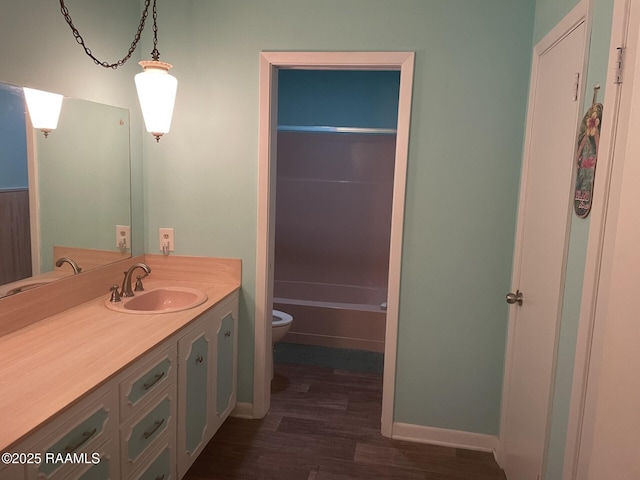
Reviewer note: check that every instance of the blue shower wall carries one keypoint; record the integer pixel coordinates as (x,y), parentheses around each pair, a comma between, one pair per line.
(13,139)
(345,98)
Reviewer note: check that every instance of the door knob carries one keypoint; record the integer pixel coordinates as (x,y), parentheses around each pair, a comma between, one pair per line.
(514,297)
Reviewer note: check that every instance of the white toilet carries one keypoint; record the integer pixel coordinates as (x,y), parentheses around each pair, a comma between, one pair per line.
(280,324)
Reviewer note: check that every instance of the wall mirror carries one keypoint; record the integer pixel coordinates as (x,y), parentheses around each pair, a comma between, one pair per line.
(64,196)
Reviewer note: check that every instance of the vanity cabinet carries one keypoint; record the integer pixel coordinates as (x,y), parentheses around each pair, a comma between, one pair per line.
(206,379)
(152,419)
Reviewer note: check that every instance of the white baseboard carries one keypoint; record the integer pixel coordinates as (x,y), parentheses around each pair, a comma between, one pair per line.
(498,458)
(243,410)
(444,437)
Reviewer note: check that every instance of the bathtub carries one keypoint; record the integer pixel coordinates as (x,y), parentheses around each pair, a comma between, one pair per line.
(342,316)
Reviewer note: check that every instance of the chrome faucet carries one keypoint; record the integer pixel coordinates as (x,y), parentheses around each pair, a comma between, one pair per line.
(126,291)
(70,261)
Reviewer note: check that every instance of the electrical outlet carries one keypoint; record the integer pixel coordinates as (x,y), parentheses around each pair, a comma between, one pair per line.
(166,236)
(123,237)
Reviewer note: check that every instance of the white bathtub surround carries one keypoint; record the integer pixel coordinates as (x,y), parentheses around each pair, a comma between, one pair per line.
(340,316)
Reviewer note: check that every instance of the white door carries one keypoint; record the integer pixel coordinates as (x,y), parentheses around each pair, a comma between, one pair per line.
(544,215)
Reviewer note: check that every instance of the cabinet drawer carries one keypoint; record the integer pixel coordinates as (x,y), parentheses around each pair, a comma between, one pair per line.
(151,376)
(14,472)
(147,430)
(106,468)
(99,471)
(161,466)
(77,433)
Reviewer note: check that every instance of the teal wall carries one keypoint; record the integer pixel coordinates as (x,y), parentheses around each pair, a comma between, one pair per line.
(83,179)
(40,52)
(548,14)
(468,112)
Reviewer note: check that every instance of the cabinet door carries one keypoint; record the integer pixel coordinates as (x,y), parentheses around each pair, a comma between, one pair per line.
(207,365)
(195,390)
(226,364)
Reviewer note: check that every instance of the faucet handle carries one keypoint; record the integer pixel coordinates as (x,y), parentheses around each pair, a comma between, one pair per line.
(115,296)
(139,287)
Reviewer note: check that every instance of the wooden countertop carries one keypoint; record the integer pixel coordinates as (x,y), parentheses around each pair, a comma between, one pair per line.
(48,366)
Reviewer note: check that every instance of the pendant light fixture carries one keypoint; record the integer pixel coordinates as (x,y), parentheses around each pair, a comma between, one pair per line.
(157,94)
(155,86)
(44,109)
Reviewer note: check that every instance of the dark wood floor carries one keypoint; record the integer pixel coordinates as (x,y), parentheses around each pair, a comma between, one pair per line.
(325,424)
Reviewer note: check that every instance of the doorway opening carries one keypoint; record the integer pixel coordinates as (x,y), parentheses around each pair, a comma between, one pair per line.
(270,64)
(335,160)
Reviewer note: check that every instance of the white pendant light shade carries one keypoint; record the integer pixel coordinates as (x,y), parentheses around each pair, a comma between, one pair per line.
(157,94)
(44,109)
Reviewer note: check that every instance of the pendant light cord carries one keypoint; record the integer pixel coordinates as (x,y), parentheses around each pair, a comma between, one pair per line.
(155,54)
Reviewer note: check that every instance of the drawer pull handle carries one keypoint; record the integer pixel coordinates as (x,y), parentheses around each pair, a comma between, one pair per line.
(227,333)
(199,359)
(155,427)
(155,380)
(85,437)
(160,477)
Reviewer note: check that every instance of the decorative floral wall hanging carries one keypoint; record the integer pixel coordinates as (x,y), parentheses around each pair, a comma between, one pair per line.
(586,157)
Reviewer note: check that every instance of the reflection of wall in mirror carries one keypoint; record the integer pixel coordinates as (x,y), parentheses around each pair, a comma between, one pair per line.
(87,192)
(15,240)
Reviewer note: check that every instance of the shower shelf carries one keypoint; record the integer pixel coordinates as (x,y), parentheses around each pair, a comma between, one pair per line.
(326,129)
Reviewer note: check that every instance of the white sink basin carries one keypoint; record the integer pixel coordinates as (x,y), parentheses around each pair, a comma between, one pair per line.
(160,300)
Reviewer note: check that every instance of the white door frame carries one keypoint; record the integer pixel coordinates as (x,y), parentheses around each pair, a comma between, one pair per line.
(593,308)
(577,16)
(269,63)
